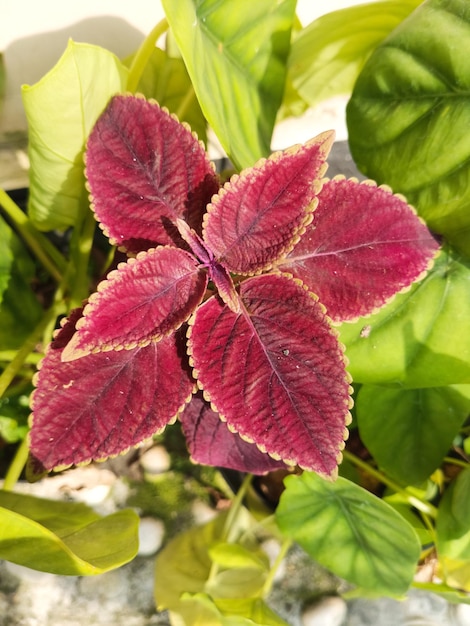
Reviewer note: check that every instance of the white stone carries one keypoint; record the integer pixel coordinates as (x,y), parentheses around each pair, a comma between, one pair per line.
(156,460)
(272,547)
(330,611)
(462,614)
(202,512)
(151,532)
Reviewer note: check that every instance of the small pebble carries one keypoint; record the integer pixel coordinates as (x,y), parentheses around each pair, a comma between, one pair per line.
(202,512)
(272,547)
(330,611)
(156,460)
(151,533)
(462,614)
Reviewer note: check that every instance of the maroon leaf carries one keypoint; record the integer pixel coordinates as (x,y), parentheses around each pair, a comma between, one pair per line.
(145,170)
(275,371)
(143,300)
(258,216)
(103,404)
(211,443)
(364,245)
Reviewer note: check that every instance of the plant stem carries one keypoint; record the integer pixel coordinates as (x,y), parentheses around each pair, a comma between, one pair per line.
(143,55)
(185,102)
(413,500)
(80,248)
(49,257)
(28,346)
(458,462)
(268,583)
(16,466)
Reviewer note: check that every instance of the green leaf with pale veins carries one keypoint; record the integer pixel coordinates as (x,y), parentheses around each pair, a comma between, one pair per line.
(236,53)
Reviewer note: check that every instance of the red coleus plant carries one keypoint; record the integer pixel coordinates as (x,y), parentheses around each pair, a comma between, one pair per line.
(234,269)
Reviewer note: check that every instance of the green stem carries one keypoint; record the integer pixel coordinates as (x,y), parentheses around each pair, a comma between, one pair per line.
(9,355)
(16,466)
(458,462)
(268,583)
(49,257)
(80,249)
(413,500)
(28,346)
(143,55)
(185,102)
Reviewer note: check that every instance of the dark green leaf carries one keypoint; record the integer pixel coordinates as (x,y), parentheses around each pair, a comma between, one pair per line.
(236,53)
(408,111)
(421,338)
(409,431)
(350,531)
(64,537)
(6,256)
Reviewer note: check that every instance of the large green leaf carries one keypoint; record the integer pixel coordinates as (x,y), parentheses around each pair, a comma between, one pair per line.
(409,431)
(61,110)
(329,53)
(453,533)
(350,531)
(64,538)
(421,338)
(235,52)
(166,80)
(409,111)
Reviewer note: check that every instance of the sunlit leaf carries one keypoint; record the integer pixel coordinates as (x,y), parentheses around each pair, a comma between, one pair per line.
(236,54)
(329,53)
(145,170)
(258,216)
(201,610)
(211,443)
(102,404)
(407,112)
(275,371)
(421,338)
(350,531)
(364,245)
(143,300)
(61,109)
(419,423)
(65,538)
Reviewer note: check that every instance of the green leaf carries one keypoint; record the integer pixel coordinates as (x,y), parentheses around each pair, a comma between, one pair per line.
(14,413)
(407,112)
(350,531)
(64,538)
(20,310)
(201,610)
(231,555)
(184,565)
(6,256)
(166,80)
(329,53)
(61,110)
(236,53)
(409,431)
(453,533)
(421,338)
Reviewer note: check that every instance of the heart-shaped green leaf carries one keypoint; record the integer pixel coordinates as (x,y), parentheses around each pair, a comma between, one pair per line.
(408,111)
(61,109)
(420,339)
(236,54)
(350,531)
(412,422)
(64,538)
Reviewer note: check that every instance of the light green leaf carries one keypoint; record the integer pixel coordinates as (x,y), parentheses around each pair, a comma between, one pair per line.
(61,110)
(350,531)
(409,431)
(166,80)
(329,53)
(453,533)
(6,256)
(201,610)
(64,537)
(231,555)
(408,111)
(421,338)
(185,563)
(236,52)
